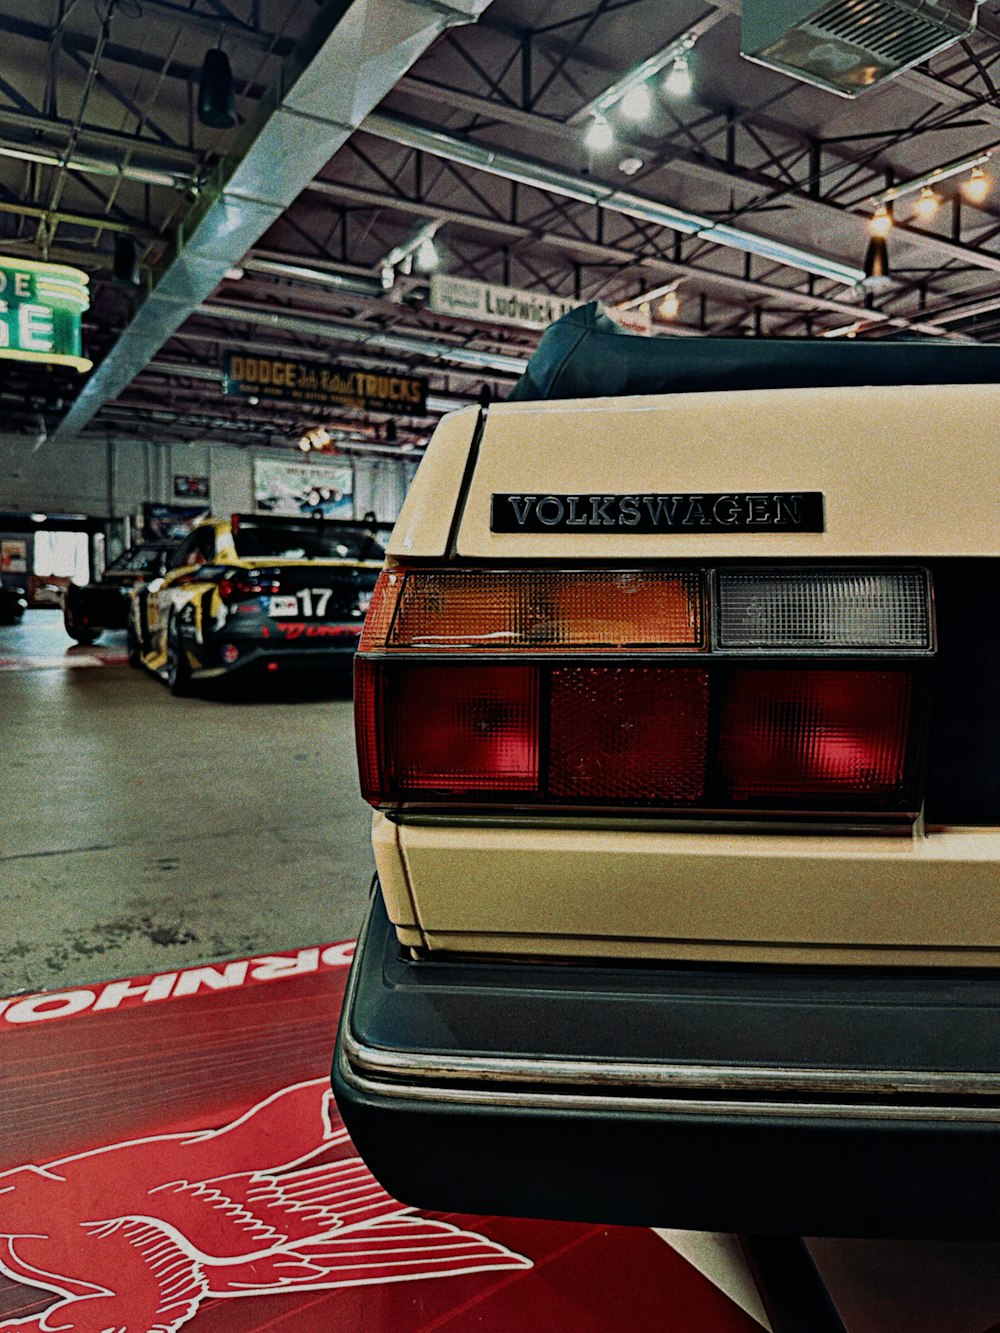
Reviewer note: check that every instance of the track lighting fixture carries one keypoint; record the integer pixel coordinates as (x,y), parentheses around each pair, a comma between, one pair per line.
(637,104)
(600,135)
(880,223)
(927,204)
(977,187)
(678,82)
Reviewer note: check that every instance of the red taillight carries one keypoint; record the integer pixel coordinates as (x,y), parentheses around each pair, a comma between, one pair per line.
(605,688)
(474,729)
(815,734)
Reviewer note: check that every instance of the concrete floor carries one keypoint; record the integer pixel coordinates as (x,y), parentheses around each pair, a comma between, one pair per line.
(139,831)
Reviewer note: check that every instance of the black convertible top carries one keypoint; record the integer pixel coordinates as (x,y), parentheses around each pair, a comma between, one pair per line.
(586,355)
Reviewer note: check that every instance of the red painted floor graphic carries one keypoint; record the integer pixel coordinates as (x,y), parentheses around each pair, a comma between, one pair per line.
(171,1157)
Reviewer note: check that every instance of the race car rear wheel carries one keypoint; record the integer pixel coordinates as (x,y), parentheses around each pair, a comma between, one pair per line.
(133,645)
(83,636)
(178,667)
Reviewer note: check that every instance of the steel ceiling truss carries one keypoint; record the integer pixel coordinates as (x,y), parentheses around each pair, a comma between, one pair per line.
(352,56)
(537,220)
(753,161)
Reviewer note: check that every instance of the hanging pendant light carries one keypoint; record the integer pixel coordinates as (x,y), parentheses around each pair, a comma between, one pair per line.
(876,266)
(125,265)
(216,94)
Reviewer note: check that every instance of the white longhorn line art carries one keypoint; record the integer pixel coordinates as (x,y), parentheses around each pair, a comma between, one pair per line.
(133,1236)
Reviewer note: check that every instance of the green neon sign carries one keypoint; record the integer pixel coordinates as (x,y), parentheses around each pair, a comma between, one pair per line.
(41,306)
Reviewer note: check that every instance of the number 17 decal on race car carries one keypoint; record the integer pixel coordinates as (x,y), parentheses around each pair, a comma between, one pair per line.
(305,602)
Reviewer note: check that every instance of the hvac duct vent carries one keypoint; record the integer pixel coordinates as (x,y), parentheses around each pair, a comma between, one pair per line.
(850,45)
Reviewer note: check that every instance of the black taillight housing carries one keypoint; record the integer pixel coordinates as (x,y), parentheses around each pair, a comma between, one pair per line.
(732,691)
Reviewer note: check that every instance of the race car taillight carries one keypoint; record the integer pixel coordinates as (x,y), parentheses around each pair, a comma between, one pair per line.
(237,585)
(616,688)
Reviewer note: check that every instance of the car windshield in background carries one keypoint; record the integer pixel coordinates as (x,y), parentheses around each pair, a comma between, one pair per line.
(306,541)
(138,560)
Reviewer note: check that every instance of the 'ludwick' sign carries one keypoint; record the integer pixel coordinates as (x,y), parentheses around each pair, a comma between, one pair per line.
(248,376)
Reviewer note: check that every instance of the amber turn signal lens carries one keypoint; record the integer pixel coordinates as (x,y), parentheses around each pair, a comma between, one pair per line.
(537,610)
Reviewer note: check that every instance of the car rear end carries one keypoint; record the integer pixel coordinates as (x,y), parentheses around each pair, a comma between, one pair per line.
(679,716)
(292,594)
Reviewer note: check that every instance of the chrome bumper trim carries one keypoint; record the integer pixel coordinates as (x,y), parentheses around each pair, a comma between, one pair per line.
(563,1102)
(662,1077)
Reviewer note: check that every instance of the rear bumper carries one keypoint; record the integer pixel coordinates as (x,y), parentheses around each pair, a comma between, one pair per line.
(806,1102)
(257,651)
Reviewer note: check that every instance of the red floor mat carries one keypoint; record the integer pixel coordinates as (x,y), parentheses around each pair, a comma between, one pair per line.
(171,1157)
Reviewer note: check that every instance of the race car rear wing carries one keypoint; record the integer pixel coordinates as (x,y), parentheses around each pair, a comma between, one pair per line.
(367,524)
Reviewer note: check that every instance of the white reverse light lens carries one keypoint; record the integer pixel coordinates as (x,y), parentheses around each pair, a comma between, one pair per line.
(850,610)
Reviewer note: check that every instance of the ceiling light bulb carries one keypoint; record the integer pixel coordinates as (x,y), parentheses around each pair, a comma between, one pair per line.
(637,103)
(628,166)
(427,256)
(927,203)
(880,223)
(304,444)
(977,187)
(678,82)
(670,306)
(600,135)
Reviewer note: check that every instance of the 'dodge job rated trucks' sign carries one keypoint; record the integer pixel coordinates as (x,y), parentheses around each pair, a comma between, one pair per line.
(41,306)
(249,376)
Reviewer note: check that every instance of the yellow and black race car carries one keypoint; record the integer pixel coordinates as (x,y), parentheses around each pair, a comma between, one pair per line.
(256,592)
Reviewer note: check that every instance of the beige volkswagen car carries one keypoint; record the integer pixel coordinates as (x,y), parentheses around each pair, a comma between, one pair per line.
(679,712)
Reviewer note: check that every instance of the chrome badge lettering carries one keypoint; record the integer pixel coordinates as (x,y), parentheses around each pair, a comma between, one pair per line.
(727,511)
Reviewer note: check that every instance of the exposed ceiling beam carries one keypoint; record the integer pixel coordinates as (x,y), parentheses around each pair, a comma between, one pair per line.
(266,316)
(590,252)
(88,220)
(26,128)
(511,166)
(354,53)
(696,166)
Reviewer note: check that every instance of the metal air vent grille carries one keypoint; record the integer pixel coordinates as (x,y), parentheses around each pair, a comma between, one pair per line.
(891,32)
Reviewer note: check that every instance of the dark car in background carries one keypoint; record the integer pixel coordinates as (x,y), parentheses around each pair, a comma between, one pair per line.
(13,604)
(90,609)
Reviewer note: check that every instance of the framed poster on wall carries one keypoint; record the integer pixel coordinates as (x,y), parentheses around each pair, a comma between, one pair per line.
(194,487)
(282,487)
(165,523)
(13,555)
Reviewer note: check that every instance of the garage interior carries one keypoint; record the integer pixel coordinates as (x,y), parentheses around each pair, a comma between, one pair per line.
(404,191)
